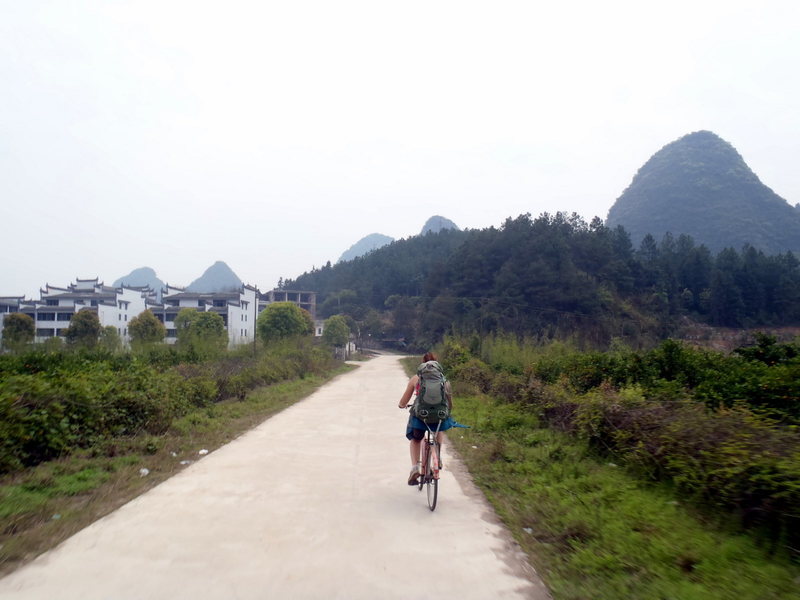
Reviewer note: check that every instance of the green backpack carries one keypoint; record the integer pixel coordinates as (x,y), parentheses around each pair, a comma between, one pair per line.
(431,404)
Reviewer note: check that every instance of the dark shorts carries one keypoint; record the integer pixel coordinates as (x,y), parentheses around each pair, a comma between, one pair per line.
(415,429)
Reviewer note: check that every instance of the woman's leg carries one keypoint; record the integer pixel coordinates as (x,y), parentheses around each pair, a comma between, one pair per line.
(415,447)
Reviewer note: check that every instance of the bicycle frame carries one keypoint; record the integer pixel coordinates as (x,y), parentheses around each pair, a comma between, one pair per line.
(430,451)
(429,444)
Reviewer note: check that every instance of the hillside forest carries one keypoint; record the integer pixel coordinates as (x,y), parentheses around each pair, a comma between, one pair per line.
(552,277)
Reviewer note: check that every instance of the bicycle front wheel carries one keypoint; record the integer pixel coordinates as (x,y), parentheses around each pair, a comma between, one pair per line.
(432,475)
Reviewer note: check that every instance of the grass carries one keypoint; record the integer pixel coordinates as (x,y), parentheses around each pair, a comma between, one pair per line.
(595,531)
(42,506)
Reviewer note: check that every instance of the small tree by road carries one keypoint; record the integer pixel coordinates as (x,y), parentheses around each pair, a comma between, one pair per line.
(337,332)
(283,320)
(18,330)
(84,329)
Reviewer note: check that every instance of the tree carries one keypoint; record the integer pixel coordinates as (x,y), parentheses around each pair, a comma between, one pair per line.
(337,332)
(18,329)
(282,320)
(308,319)
(84,329)
(109,339)
(200,332)
(145,328)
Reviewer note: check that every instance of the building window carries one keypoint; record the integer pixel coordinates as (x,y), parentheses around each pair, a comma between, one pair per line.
(45,332)
(119,317)
(171,333)
(52,303)
(172,316)
(61,332)
(63,316)
(47,316)
(126,317)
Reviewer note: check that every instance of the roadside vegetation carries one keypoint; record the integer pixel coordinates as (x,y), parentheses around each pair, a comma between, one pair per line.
(83,429)
(669,473)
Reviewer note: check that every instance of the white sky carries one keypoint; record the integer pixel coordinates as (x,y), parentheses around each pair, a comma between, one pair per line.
(274,135)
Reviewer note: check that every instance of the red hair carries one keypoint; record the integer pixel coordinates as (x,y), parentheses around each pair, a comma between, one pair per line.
(429,356)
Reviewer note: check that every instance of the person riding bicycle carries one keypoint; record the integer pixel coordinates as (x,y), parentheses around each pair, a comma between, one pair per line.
(415,429)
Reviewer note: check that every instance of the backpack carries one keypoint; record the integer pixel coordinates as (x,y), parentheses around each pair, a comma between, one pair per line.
(431,404)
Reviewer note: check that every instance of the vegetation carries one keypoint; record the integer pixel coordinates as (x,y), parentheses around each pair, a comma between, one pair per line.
(43,504)
(201,333)
(145,328)
(721,429)
(110,339)
(336,332)
(281,320)
(84,329)
(18,330)
(556,277)
(55,403)
(596,530)
(647,474)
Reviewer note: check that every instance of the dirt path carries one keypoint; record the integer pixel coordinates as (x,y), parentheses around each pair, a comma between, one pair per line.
(311,504)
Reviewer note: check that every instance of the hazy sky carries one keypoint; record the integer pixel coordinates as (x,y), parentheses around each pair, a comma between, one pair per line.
(274,135)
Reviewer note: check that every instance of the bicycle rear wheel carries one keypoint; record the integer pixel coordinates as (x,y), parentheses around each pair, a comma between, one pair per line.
(423,463)
(432,474)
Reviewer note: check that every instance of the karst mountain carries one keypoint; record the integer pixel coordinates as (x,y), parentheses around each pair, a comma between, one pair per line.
(700,185)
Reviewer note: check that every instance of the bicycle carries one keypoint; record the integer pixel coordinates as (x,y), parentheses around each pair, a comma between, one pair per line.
(431,465)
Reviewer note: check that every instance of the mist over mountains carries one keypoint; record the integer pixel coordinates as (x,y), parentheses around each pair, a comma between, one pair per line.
(436,224)
(365,245)
(141,277)
(219,277)
(699,185)
(374,241)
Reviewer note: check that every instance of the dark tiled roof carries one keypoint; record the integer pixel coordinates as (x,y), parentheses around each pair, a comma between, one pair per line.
(81,296)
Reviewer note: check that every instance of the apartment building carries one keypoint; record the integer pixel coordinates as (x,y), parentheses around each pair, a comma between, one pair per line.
(237,309)
(305,300)
(117,306)
(51,314)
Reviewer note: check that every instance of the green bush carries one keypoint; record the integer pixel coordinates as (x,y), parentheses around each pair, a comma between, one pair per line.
(723,428)
(54,402)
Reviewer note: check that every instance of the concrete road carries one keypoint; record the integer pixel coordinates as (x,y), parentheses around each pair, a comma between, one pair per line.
(311,504)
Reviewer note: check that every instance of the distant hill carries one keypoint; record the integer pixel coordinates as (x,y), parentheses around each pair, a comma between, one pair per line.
(365,245)
(700,185)
(141,277)
(217,278)
(436,223)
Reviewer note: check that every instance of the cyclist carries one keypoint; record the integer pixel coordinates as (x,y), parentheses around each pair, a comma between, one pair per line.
(415,429)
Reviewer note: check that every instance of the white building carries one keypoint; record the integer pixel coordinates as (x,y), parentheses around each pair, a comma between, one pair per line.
(237,309)
(117,306)
(305,300)
(114,307)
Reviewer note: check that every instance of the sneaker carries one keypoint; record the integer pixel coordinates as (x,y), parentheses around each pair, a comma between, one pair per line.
(413,476)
